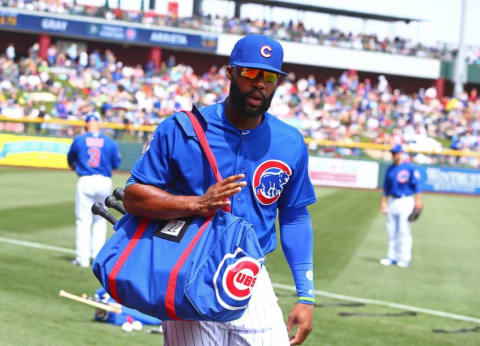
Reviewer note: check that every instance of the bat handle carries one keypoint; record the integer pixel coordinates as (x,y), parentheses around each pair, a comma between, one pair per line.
(99,209)
(112,202)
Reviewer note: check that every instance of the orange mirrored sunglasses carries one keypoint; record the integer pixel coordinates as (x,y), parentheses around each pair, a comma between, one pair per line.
(252,73)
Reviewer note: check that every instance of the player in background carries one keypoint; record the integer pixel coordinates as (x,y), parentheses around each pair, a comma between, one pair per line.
(265,165)
(401,193)
(93,156)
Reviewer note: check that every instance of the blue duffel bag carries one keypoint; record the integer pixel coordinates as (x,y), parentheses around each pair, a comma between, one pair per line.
(196,269)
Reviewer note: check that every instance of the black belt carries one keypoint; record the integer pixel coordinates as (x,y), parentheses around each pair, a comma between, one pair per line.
(400,196)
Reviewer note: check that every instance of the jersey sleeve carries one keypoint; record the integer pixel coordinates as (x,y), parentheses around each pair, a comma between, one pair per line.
(386,184)
(116,156)
(299,190)
(73,153)
(154,166)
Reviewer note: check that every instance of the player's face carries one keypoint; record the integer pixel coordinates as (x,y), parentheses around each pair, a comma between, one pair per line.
(397,158)
(251,90)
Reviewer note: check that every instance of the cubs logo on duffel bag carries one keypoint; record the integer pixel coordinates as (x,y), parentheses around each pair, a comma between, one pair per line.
(235,278)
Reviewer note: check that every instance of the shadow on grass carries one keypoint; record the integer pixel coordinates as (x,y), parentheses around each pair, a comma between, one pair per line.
(371,259)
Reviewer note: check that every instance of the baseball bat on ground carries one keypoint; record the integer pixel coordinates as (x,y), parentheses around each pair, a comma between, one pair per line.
(99,305)
(118,193)
(112,202)
(99,209)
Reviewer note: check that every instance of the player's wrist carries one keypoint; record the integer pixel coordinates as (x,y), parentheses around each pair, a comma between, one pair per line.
(193,205)
(306,300)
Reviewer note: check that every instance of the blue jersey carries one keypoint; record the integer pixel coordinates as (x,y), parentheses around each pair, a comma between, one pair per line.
(94,154)
(273,156)
(401,180)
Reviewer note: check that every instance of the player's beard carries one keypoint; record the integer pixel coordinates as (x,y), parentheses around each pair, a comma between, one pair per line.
(239,101)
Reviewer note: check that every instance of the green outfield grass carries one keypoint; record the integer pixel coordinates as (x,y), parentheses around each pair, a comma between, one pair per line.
(37,206)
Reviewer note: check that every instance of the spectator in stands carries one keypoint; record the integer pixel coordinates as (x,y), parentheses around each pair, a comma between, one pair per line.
(10,51)
(346,107)
(290,31)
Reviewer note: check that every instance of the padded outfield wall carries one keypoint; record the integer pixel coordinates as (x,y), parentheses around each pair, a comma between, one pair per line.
(49,152)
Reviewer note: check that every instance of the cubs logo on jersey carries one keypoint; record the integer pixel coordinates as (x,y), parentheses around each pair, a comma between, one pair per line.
(235,278)
(403,176)
(269,180)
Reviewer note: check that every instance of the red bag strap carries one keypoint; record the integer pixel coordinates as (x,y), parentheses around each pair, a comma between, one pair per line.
(204,144)
(206,148)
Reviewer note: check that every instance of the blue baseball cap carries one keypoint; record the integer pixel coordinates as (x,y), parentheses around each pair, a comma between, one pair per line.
(258,51)
(92,117)
(397,148)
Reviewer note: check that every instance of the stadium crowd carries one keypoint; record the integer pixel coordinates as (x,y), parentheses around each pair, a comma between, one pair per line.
(71,83)
(290,31)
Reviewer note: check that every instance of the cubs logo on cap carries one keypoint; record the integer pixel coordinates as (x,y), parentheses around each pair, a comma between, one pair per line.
(266,51)
(269,179)
(258,51)
(235,278)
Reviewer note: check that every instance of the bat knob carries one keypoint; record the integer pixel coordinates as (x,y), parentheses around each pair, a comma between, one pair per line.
(110,201)
(118,193)
(97,208)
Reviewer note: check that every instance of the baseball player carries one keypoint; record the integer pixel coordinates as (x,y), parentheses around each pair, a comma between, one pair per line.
(264,162)
(92,155)
(401,194)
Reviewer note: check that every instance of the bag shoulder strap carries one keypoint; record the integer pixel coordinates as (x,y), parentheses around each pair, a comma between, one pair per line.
(197,127)
(204,144)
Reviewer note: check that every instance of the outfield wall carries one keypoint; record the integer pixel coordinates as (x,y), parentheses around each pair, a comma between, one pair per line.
(49,152)
(343,173)
(442,179)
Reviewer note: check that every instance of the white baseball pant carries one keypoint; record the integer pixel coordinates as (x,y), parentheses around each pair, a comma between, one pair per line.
(91,230)
(261,324)
(398,228)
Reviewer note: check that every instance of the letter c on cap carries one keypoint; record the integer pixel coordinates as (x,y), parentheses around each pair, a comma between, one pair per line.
(266,51)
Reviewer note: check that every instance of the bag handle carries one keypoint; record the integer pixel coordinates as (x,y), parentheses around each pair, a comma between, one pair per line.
(206,148)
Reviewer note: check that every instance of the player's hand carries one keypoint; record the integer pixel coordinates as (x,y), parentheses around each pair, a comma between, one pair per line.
(302,317)
(218,194)
(384,208)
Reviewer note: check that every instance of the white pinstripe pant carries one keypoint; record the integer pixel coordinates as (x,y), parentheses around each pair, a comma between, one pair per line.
(398,228)
(261,324)
(91,230)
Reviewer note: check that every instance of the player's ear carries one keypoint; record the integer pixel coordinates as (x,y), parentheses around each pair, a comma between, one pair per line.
(229,72)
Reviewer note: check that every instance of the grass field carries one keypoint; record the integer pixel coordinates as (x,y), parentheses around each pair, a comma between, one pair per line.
(36,206)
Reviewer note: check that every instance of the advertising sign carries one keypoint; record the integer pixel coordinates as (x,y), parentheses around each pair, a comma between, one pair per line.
(343,173)
(34,151)
(450,180)
(66,26)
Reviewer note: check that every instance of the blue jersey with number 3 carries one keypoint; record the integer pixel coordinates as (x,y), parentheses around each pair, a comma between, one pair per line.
(273,156)
(94,154)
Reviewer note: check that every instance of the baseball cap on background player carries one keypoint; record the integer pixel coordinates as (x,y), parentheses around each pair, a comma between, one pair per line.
(258,51)
(397,148)
(92,117)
